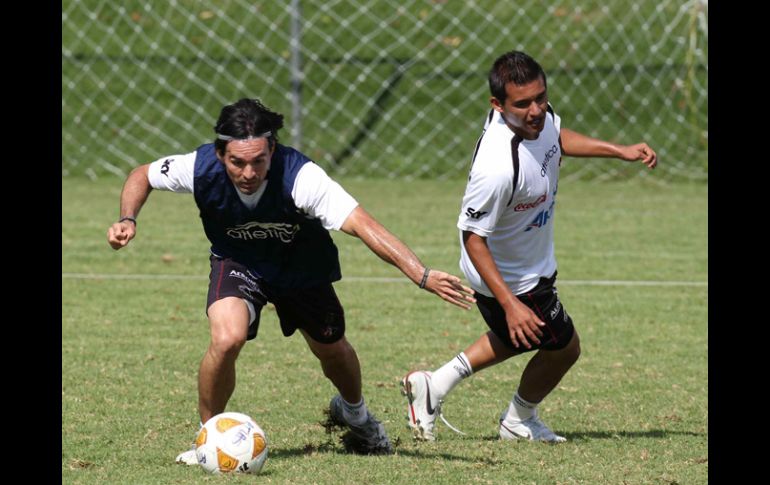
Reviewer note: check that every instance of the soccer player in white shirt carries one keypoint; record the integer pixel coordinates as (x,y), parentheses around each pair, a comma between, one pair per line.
(267,210)
(507,253)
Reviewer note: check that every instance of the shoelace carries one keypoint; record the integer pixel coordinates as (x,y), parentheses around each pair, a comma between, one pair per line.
(441,415)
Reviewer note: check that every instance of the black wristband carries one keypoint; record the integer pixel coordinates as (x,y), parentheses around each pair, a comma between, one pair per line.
(127,218)
(424,277)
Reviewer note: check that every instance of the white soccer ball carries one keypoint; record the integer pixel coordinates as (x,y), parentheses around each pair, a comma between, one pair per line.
(231,442)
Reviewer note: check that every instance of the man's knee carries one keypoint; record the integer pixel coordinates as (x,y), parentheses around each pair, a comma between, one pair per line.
(229,326)
(227,343)
(571,352)
(340,350)
(568,354)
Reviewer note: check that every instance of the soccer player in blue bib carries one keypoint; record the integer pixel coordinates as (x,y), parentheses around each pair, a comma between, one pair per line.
(267,210)
(506,241)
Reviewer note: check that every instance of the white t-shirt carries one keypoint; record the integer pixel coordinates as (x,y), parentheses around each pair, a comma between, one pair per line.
(516,221)
(314,191)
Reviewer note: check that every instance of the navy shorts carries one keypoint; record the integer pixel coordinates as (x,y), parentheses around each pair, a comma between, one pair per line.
(544,301)
(315,310)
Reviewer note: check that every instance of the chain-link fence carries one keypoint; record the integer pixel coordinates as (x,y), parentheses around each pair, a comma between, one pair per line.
(379,88)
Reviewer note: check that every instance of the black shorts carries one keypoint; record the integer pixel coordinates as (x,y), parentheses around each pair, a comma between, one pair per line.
(544,301)
(316,310)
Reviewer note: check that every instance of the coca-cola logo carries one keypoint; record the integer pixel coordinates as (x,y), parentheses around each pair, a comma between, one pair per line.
(525,206)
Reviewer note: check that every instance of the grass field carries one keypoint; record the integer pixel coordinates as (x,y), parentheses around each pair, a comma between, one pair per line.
(634,408)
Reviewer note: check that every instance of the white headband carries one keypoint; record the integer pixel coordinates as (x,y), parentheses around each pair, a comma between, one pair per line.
(266,134)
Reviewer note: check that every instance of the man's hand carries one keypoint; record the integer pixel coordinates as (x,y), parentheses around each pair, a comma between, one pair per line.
(523,326)
(449,288)
(120,233)
(640,151)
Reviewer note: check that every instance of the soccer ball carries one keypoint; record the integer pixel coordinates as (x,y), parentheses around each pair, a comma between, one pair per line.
(231,442)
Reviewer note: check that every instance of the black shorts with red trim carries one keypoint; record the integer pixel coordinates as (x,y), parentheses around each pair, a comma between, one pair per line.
(544,301)
(315,310)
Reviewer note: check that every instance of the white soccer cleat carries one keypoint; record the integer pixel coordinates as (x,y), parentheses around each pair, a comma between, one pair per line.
(188,457)
(532,429)
(423,408)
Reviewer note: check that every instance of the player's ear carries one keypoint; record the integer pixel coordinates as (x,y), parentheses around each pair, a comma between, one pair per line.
(496,104)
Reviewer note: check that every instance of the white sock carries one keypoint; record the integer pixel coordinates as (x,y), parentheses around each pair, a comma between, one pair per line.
(449,375)
(519,409)
(354,413)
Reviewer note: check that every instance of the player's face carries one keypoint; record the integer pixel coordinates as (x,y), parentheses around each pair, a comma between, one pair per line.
(524,108)
(247,163)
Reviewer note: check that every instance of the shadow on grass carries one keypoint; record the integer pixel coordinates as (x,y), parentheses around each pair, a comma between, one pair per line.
(448,456)
(604,435)
(332,447)
(615,435)
(307,449)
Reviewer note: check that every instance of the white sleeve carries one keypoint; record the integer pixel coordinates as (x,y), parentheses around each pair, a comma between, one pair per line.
(174,173)
(321,197)
(556,121)
(486,197)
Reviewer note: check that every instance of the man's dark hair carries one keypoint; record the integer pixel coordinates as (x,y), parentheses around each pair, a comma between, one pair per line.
(513,67)
(247,117)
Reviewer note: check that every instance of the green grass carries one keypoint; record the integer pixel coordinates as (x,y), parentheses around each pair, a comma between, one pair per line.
(634,407)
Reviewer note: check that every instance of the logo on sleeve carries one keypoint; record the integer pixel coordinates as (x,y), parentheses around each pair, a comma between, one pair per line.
(164,168)
(474,214)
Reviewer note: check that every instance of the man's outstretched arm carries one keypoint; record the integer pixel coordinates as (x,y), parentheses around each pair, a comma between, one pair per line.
(391,250)
(578,145)
(134,195)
